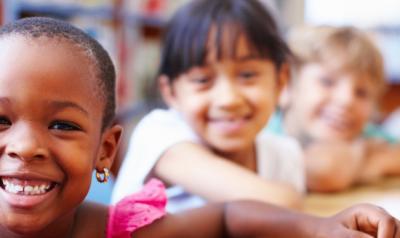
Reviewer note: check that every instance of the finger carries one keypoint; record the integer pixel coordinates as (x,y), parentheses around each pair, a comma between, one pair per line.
(356,234)
(397,233)
(387,227)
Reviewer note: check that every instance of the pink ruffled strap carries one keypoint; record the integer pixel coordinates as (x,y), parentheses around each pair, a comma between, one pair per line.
(137,210)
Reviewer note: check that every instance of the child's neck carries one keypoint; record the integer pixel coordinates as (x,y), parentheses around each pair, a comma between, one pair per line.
(246,158)
(91,221)
(291,127)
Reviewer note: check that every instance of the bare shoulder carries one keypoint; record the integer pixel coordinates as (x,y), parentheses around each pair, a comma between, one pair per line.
(91,220)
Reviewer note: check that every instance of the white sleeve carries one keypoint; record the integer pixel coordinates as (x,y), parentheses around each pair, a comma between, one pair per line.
(154,134)
(281,158)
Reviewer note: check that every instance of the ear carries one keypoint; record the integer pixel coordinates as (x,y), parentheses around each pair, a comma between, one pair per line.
(166,90)
(283,76)
(283,86)
(109,147)
(284,98)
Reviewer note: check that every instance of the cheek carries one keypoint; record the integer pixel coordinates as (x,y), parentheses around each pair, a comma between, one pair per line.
(263,103)
(78,158)
(364,111)
(307,104)
(266,103)
(192,104)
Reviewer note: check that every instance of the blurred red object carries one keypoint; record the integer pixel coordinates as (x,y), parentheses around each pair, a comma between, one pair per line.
(154,7)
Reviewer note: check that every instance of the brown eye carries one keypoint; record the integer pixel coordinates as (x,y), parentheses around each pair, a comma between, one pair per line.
(247,74)
(361,93)
(4,123)
(64,126)
(201,80)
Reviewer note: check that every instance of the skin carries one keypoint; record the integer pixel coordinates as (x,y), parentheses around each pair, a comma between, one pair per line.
(227,102)
(361,221)
(366,161)
(339,106)
(329,122)
(50,132)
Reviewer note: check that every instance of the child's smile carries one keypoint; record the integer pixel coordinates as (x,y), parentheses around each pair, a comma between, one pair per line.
(228,106)
(228,101)
(331,104)
(27,190)
(50,131)
(336,120)
(230,125)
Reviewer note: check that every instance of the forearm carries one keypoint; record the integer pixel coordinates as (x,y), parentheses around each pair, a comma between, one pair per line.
(389,158)
(232,220)
(327,181)
(201,222)
(202,173)
(246,219)
(332,167)
(382,159)
(255,219)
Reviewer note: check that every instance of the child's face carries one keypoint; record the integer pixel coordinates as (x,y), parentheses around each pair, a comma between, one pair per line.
(227,102)
(330,104)
(50,132)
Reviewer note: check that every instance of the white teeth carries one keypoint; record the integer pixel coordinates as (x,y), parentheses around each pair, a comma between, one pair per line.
(28,189)
(25,190)
(18,188)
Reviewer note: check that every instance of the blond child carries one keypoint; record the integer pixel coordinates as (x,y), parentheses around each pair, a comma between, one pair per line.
(57,102)
(338,78)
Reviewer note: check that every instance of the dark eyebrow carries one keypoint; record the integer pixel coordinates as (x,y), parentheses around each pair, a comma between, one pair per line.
(247,58)
(58,105)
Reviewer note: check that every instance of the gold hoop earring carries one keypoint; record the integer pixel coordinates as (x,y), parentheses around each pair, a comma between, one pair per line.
(102,176)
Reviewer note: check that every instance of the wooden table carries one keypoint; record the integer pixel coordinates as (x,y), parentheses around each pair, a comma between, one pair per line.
(385,193)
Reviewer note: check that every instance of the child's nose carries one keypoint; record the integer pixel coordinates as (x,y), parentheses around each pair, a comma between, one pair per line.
(25,143)
(345,96)
(227,94)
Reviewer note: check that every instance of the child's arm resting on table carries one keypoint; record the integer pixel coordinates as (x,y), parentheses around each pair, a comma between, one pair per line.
(216,179)
(382,159)
(256,219)
(336,166)
(332,166)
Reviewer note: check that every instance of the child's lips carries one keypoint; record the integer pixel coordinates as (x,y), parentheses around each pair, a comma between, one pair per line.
(26,192)
(337,122)
(229,125)
(26,186)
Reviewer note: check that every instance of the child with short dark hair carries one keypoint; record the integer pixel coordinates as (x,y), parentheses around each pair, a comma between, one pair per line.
(57,105)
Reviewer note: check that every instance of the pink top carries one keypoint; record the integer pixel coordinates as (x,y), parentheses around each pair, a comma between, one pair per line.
(137,210)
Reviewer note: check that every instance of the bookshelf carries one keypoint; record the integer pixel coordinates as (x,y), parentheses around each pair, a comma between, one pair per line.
(64,10)
(126,28)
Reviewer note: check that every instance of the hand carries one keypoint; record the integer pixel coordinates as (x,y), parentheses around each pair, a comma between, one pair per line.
(333,166)
(382,160)
(360,221)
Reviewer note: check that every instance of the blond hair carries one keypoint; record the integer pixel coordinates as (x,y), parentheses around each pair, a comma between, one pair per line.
(346,48)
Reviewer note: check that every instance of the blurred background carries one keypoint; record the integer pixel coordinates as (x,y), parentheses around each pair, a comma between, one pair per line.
(131,31)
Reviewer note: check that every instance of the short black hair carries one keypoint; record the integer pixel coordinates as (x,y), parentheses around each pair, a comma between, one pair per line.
(187,35)
(35,27)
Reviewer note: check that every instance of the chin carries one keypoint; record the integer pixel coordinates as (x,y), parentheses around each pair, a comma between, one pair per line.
(25,226)
(229,147)
(335,136)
